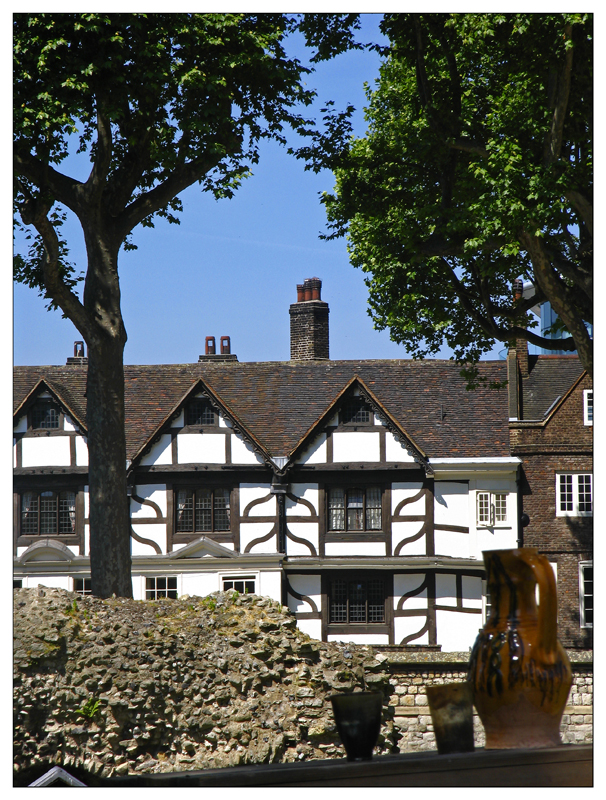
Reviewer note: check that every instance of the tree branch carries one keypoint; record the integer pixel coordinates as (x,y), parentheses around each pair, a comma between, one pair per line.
(553,140)
(159,196)
(553,287)
(583,207)
(65,190)
(96,180)
(35,212)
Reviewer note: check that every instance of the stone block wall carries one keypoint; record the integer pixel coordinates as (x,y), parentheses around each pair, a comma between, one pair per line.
(412,719)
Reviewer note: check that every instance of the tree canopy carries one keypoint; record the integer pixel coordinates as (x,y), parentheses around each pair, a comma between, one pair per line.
(158,102)
(476,170)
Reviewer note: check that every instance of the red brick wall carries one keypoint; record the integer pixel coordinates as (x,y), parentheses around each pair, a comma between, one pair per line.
(563,444)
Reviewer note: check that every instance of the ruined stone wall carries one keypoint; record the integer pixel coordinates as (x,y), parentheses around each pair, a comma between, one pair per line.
(122,686)
(412,719)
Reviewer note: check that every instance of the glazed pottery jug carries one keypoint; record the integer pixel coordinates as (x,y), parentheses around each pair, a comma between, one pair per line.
(520,672)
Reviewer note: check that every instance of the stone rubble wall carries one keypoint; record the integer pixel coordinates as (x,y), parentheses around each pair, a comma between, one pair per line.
(121,686)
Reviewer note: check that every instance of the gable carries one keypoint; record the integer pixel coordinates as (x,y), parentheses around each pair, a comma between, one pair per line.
(356,428)
(200,429)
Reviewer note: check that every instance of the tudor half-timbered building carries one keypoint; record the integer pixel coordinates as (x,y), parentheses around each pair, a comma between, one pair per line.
(359,493)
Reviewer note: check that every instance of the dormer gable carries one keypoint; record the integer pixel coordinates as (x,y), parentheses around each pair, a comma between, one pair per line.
(45,409)
(357,410)
(201,411)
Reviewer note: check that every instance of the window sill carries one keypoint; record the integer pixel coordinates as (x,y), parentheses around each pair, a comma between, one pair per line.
(359,536)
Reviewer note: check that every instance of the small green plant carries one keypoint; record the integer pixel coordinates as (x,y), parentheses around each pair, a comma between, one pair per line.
(209,602)
(89,709)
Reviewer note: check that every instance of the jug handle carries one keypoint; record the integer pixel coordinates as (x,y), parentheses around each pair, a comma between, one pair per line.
(548,609)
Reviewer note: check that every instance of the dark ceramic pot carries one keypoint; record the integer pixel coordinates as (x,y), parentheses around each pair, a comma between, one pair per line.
(520,672)
(358,719)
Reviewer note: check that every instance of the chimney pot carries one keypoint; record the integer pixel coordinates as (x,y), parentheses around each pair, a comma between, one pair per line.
(300,293)
(78,349)
(225,345)
(518,289)
(210,346)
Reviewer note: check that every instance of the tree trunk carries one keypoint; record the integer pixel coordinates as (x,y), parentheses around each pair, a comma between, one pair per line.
(109,513)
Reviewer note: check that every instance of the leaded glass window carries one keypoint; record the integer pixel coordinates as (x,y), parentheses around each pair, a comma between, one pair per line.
(48,513)
(357,601)
(354,509)
(202,509)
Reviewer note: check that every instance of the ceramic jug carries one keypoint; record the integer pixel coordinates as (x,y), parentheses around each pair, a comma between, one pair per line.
(520,672)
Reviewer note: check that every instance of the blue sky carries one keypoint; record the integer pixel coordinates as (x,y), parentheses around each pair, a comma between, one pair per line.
(231,267)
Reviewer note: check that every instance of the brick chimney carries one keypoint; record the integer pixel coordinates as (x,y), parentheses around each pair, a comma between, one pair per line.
(79,356)
(309,323)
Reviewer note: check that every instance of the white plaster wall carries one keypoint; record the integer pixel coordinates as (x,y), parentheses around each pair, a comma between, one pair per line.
(303,530)
(179,422)
(255,491)
(394,451)
(201,448)
(446,590)
(454,543)
(223,423)
(156,533)
(200,584)
(315,453)
(309,585)
(451,503)
(156,492)
(360,638)
(306,491)
(81,452)
(242,452)
(45,451)
(86,540)
(405,626)
(252,530)
(21,426)
(472,592)
(160,453)
(68,425)
(356,446)
(457,631)
(312,627)
(50,581)
(402,491)
(355,548)
(406,582)
(270,584)
(495,539)
(402,530)
(14,454)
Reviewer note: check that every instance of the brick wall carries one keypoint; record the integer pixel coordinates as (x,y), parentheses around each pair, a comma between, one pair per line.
(563,444)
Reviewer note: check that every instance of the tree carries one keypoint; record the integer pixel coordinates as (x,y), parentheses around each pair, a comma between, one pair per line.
(476,170)
(159,102)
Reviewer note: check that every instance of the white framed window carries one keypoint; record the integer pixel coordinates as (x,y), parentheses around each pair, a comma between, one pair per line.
(243,584)
(586,593)
(491,508)
(82,586)
(588,406)
(574,495)
(161,586)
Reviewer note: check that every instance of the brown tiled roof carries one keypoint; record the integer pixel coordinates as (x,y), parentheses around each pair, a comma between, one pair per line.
(549,377)
(279,401)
